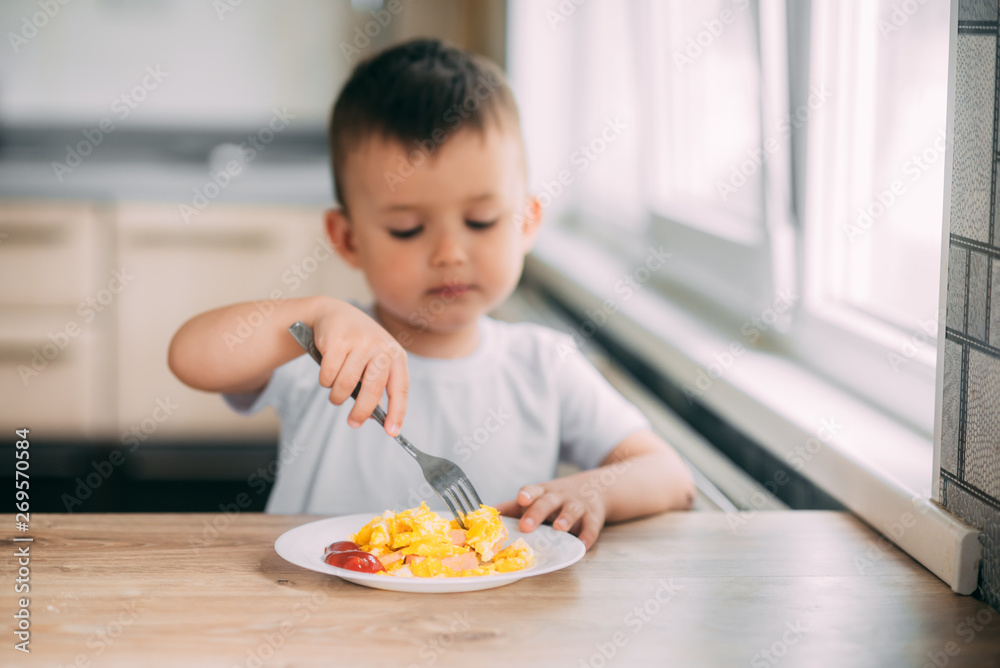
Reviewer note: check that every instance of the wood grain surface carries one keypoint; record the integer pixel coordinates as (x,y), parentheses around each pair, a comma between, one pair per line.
(679,589)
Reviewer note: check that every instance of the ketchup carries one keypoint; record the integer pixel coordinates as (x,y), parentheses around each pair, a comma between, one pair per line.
(345,554)
(355,560)
(341,546)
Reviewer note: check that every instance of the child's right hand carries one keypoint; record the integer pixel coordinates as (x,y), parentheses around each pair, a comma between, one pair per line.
(355,347)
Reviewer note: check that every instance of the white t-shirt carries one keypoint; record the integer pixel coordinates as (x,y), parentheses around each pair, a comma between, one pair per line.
(506,414)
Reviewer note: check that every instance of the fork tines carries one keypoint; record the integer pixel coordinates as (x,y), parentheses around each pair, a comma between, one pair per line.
(459,496)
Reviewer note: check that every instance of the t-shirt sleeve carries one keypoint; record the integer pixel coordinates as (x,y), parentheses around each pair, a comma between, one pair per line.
(594,417)
(290,384)
(277,392)
(253,402)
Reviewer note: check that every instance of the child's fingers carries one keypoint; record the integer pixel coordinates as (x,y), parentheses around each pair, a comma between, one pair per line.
(539,510)
(529,493)
(372,386)
(590,529)
(510,508)
(398,388)
(571,512)
(333,360)
(348,376)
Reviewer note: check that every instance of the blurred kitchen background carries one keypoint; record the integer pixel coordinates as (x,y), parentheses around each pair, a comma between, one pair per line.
(142,104)
(793,160)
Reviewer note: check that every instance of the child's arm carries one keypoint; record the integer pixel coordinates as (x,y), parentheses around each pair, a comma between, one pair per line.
(641,476)
(213,352)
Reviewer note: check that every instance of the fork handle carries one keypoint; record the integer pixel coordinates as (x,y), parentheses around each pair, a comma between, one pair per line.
(304,335)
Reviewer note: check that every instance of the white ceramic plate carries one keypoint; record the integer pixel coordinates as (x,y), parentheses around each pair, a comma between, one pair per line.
(304,545)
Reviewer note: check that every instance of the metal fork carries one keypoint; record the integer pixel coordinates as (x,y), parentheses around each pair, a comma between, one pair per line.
(444,476)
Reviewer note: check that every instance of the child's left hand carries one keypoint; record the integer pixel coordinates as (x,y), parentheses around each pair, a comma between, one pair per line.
(575,503)
(641,476)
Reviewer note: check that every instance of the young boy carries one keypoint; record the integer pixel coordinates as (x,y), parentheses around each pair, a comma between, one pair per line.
(429,171)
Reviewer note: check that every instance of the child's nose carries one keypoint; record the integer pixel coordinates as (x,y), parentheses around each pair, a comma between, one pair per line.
(449,250)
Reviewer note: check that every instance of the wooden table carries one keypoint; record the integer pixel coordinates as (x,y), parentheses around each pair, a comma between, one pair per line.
(682,589)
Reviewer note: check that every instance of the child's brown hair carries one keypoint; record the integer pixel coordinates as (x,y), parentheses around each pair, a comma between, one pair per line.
(417,93)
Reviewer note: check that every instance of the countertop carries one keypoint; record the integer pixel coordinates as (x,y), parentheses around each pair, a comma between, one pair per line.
(681,589)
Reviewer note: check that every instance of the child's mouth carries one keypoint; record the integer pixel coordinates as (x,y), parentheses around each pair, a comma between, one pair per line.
(450,290)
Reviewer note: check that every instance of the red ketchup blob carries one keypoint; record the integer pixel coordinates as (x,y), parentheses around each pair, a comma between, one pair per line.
(355,560)
(340,546)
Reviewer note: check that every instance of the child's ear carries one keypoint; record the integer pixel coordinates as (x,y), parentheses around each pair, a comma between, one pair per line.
(529,223)
(340,234)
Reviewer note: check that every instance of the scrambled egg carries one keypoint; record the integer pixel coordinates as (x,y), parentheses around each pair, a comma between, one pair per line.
(418,542)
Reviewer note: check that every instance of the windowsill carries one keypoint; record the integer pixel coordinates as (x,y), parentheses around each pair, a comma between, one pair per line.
(878,468)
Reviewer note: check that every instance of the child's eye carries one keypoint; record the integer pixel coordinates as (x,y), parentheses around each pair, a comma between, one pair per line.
(479,224)
(406,234)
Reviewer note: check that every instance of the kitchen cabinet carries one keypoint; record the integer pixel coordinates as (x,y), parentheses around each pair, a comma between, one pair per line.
(230,254)
(56,338)
(127,275)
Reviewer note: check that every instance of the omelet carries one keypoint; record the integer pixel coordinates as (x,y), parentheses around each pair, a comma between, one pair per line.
(420,543)
(513,558)
(486,532)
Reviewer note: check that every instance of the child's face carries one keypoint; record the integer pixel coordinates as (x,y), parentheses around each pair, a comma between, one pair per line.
(446,243)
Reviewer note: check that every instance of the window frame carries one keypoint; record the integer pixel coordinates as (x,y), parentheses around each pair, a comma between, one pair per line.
(827,332)
(740,269)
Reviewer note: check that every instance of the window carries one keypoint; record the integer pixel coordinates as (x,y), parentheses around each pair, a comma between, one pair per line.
(757,132)
(892,82)
(874,184)
(704,84)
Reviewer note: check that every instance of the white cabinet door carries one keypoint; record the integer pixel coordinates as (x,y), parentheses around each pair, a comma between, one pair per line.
(229,254)
(57,319)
